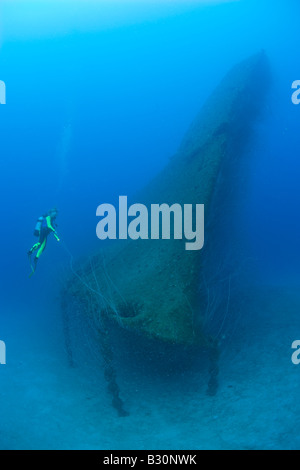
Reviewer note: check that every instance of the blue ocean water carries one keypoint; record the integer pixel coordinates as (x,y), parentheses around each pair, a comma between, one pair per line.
(98,98)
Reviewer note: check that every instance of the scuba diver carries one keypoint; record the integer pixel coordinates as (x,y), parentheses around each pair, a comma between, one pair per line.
(44,226)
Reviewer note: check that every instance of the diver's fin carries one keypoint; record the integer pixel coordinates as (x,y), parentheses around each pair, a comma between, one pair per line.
(29,259)
(33,268)
(32,273)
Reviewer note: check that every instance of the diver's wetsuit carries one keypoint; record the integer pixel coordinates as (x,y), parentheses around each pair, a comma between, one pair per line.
(46,228)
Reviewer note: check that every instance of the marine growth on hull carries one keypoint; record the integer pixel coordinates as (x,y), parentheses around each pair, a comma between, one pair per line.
(156,287)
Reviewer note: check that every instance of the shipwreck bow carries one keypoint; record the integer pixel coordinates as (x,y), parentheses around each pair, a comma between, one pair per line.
(152,286)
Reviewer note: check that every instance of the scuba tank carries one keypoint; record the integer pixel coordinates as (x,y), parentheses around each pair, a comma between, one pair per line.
(38,226)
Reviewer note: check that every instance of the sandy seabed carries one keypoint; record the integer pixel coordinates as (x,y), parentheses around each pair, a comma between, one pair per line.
(45,404)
